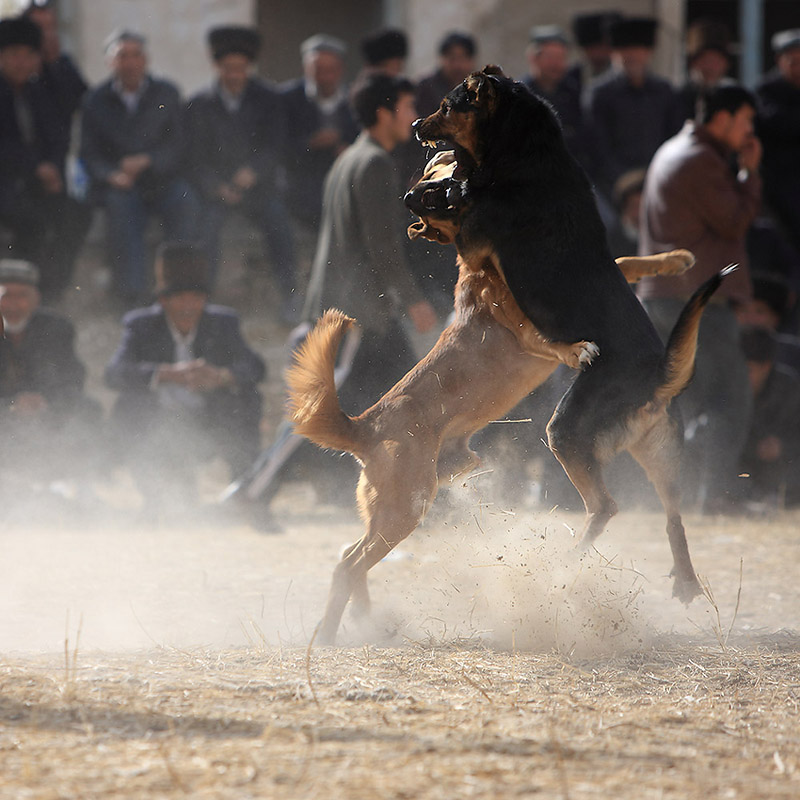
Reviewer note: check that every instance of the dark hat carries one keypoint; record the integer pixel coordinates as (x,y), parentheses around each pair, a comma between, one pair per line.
(383,45)
(633,32)
(20,30)
(785,40)
(234,39)
(590,29)
(322,43)
(15,270)
(181,267)
(457,39)
(707,34)
(544,34)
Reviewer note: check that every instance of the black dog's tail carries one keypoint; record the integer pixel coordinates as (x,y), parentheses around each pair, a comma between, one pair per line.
(679,360)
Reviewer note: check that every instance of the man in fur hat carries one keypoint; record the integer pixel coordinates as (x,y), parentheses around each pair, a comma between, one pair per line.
(237,141)
(187,382)
(708,60)
(631,110)
(47,225)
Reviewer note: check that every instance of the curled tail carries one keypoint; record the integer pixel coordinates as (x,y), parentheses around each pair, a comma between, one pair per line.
(313,402)
(679,360)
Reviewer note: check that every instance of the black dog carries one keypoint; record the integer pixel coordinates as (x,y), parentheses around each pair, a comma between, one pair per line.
(532,212)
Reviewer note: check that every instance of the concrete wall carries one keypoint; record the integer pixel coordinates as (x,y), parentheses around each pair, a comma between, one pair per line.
(175,29)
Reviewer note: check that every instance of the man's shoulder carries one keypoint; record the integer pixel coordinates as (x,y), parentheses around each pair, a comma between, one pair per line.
(50,321)
(142,318)
(223,314)
(203,97)
(161,87)
(98,94)
(293,89)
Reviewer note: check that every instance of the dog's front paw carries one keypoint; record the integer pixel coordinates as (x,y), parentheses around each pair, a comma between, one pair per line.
(583,353)
(676,262)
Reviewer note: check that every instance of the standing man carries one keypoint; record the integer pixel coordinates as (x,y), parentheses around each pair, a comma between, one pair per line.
(779,128)
(237,135)
(694,199)
(47,225)
(456,61)
(359,266)
(320,124)
(132,145)
(631,111)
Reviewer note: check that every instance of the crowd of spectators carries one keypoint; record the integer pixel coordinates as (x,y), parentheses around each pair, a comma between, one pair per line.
(287,157)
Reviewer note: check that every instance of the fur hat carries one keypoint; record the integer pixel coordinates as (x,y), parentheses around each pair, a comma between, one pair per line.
(20,30)
(707,34)
(181,267)
(785,40)
(590,29)
(234,39)
(634,32)
(383,45)
(15,270)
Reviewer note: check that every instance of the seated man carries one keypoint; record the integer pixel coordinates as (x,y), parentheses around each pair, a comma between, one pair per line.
(132,145)
(320,124)
(187,382)
(49,425)
(236,137)
(47,226)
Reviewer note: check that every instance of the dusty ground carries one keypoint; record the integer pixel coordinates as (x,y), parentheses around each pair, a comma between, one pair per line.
(174,662)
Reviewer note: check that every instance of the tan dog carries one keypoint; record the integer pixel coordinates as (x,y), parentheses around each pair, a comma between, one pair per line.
(417,434)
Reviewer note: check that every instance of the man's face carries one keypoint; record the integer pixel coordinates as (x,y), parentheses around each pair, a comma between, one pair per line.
(789,65)
(549,62)
(634,62)
(46,20)
(184,309)
(456,64)
(17,302)
(738,128)
(128,63)
(233,71)
(325,70)
(709,67)
(19,63)
(405,113)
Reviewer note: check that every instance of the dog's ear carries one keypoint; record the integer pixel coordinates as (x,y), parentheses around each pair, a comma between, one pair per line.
(493,69)
(481,86)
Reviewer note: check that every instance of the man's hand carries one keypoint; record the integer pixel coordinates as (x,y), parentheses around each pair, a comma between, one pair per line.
(244,179)
(229,195)
(422,316)
(197,375)
(50,177)
(120,180)
(28,404)
(769,449)
(133,166)
(750,154)
(325,139)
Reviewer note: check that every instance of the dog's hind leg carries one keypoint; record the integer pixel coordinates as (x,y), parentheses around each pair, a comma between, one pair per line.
(392,505)
(585,471)
(659,453)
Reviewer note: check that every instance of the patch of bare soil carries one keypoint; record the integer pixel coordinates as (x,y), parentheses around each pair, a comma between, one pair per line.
(497,663)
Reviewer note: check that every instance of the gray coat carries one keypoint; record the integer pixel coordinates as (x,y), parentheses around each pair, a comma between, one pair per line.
(360,265)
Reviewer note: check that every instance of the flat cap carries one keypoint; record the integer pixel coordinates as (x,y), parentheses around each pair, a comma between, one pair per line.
(16,270)
(543,34)
(785,40)
(322,43)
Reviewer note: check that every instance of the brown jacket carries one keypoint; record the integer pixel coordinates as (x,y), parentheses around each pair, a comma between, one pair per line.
(693,199)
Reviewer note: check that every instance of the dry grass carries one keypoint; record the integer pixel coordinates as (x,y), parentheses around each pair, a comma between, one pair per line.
(706,706)
(681,720)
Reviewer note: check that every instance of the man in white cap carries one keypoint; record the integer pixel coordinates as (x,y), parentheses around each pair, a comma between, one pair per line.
(319,121)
